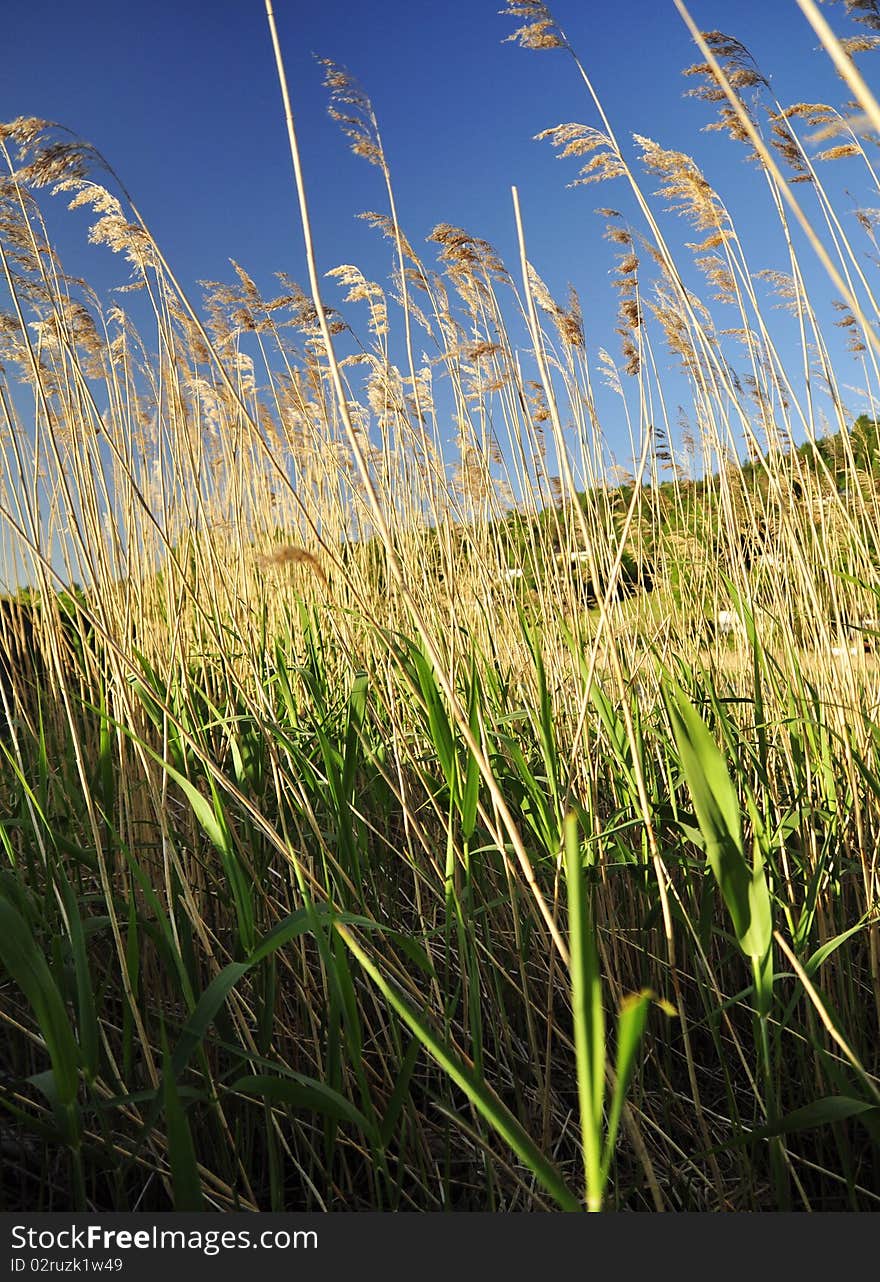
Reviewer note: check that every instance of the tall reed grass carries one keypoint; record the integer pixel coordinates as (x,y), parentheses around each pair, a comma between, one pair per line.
(388,830)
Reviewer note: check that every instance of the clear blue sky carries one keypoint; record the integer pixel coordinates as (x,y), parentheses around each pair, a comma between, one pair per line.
(182,98)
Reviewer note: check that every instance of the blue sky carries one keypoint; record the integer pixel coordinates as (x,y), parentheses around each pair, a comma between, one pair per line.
(182,98)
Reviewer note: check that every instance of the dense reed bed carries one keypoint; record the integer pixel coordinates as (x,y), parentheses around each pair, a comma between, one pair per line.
(388,830)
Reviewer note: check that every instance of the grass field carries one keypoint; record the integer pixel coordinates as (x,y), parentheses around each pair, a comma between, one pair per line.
(388,830)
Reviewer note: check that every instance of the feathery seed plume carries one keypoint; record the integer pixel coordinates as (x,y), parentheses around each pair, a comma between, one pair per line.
(290,554)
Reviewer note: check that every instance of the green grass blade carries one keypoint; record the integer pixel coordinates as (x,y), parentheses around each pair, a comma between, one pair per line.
(87,1018)
(744,891)
(185,1179)
(630,1030)
(588,1015)
(300,1093)
(221,985)
(484,1099)
(26,965)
